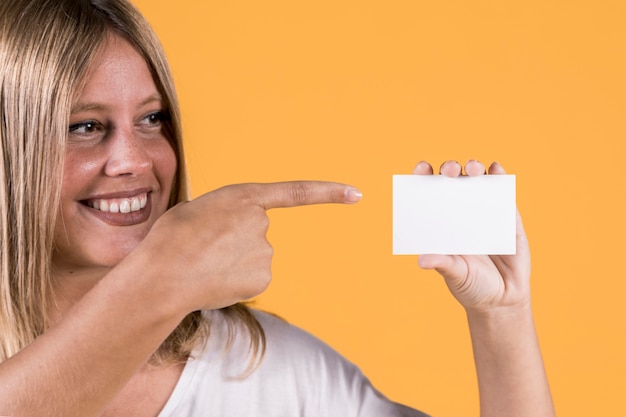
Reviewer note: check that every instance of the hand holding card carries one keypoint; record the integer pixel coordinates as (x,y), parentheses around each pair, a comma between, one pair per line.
(476,215)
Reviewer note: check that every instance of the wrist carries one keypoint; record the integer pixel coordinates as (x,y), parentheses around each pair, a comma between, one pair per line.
(503,313)
(149,286)
(505,326)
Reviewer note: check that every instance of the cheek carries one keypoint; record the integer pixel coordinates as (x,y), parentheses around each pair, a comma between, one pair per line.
(79,167)
(165,164)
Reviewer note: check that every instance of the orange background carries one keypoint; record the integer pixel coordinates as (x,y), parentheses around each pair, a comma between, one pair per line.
(356,91)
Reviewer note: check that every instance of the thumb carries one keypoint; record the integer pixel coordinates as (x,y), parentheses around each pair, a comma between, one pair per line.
(453,268)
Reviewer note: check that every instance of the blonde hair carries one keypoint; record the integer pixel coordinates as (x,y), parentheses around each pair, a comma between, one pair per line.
(46,47)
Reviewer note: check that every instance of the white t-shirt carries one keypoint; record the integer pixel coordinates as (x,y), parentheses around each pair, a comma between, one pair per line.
(299,376)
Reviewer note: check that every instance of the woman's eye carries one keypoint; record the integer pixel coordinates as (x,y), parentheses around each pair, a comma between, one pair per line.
(84,128)
(155,119)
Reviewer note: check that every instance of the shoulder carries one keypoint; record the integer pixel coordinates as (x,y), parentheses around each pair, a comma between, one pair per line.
(295,352)
(283,338)
(292,356)
(297,373)
(330,383)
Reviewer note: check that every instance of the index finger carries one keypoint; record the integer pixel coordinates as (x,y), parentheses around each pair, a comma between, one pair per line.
(303,193)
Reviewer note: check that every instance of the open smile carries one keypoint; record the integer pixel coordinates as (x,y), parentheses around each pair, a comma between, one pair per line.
(121,211)
(119,205)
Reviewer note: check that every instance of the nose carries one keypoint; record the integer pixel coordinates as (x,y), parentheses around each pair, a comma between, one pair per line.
(127,154)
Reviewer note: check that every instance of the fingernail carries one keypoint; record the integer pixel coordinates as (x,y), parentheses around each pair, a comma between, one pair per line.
(478,163)
(422,168)
(446,166)
(448,163)
(353,195)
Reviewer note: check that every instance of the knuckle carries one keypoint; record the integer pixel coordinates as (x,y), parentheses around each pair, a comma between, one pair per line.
(243,194)
(251,193)
(300,193)
(265,278)
(266,262)
(261,278)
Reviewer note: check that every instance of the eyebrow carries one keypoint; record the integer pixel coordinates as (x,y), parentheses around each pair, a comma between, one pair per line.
(82,107)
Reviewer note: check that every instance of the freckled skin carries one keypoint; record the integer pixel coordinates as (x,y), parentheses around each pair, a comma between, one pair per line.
(116,147)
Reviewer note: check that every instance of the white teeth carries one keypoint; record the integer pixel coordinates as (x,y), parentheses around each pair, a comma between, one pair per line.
(125,206)
(120,205)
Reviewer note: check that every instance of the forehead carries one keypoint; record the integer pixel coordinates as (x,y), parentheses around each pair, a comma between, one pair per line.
(117,73)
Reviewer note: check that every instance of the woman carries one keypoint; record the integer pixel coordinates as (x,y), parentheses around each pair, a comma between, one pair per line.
(119,298)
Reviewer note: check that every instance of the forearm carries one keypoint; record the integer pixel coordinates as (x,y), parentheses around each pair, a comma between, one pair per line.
(511,375)
(81,363)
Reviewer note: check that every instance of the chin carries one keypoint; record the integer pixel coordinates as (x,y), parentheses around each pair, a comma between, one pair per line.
(96,254)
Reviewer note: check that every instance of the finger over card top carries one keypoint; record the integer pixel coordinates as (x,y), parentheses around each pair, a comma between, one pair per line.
(456,216)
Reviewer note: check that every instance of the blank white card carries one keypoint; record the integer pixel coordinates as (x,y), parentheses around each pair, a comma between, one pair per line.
(455,216)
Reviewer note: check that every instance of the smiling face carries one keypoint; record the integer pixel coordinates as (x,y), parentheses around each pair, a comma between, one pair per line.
(119,166)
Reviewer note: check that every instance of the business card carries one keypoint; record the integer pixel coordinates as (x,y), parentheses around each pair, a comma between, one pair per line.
(455,216)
